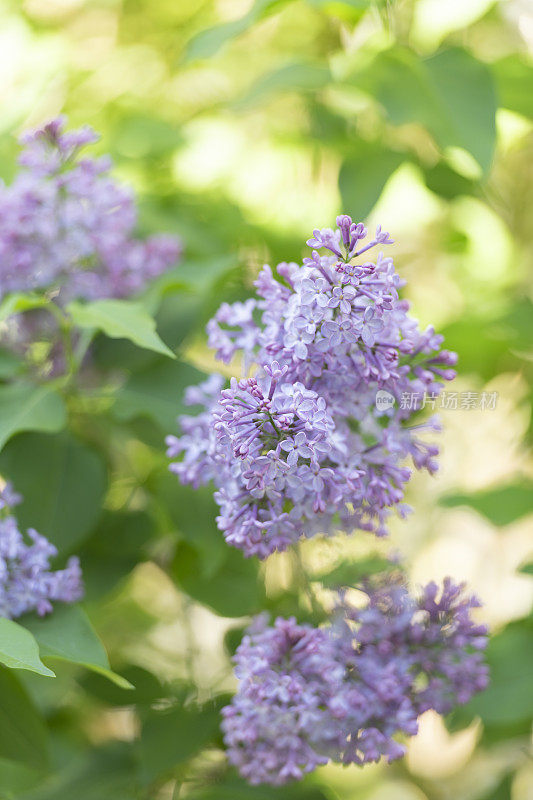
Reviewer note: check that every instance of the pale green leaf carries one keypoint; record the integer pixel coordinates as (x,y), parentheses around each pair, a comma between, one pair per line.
(514,82)
(502,505)
(20,301)
(206,43)
(19,650)
(120,319)
(289,78)
(26,407)
(67,635)
(451,93)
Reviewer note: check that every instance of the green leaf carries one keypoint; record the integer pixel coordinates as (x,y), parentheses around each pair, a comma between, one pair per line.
(147,689)
(192,277)
(526,569)
(63,483)
(67,635)
(145,136)
(232,591)
(114,549)
(193,512)
(503,791)
(206,43)
(509,696)
(26,407)
(180,302)
(170,737)
(19,650)
(20,301)
(352,573)
(233,638)
(157,392)
(349,11)
(514,79)
(232,788)
(447,183)
(107,773)
(467,97)
(339,7)
(17,777)
(289,78)
(10,365)
(120,319)
(500,506)
(478,356)
(22,730)
(363,175)
(451,93)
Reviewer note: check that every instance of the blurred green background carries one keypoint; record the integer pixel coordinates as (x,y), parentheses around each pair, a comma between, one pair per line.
(243,125)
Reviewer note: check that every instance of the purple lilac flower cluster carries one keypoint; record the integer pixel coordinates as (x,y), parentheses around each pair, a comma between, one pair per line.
(344,691)
(26,581)
(67,226)
(301,447)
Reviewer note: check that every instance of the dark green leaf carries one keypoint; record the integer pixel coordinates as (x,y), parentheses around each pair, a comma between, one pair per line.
(172,736)
(232,591)
(101,774)
(62,482)
(16,777)
(501,506)
(26,407)
(363,175)
(157,392)
(120,319)
(147,689)
(527,569)
(447,183)
(352,573)
(509,696)
(233,638)
(67,635)
(114,549)
(193,512)
(232,788)
(22,730)
(19,650)
(181,316)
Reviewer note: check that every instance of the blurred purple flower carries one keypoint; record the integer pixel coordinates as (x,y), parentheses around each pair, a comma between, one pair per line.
(26,581)
(343,692)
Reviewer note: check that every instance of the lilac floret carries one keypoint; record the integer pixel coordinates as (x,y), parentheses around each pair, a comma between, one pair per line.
(301,448)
